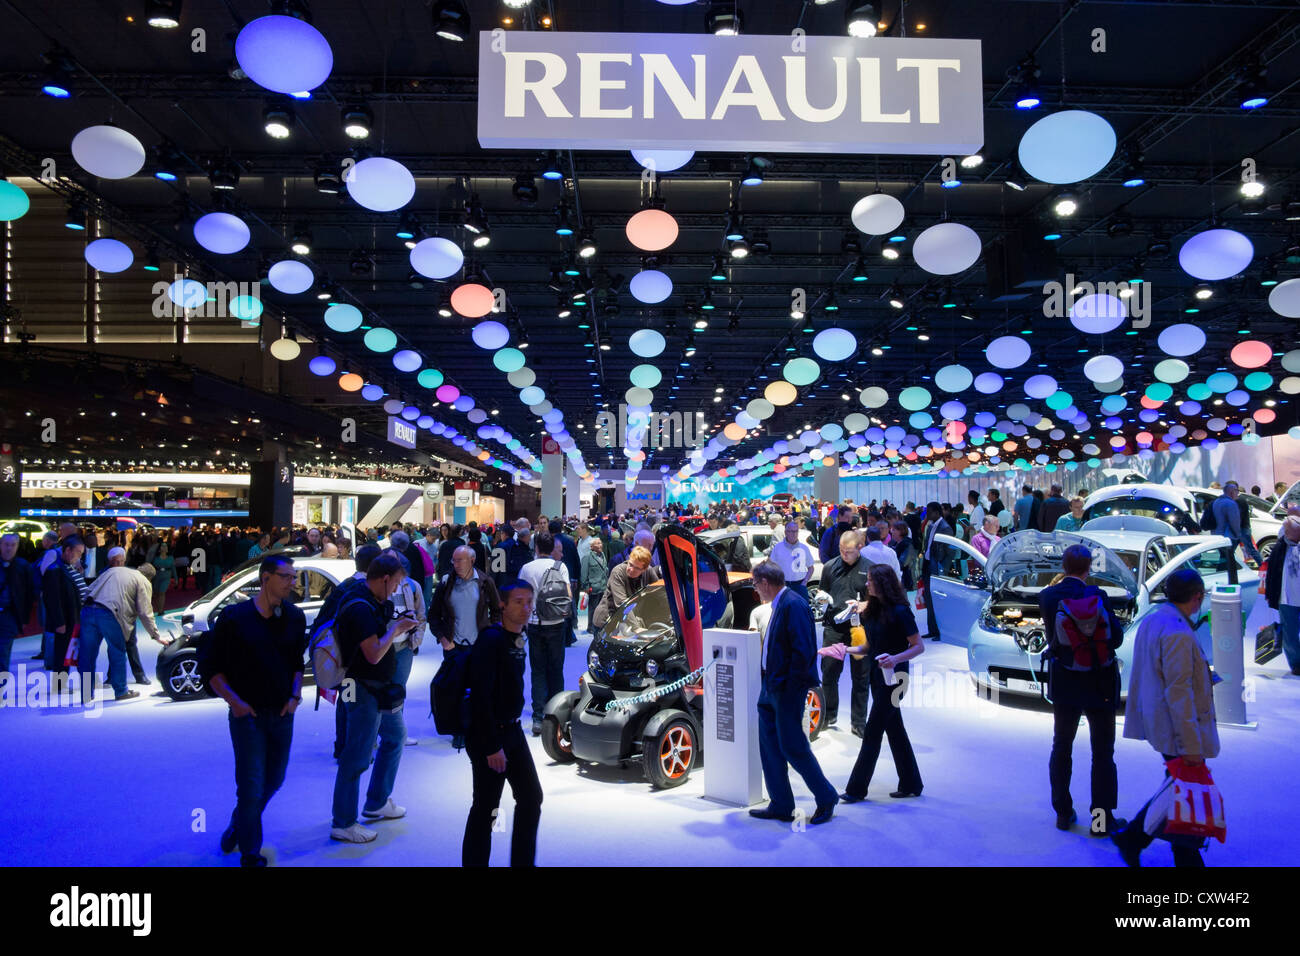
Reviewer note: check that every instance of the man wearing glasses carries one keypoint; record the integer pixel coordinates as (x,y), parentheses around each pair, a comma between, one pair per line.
(254,661)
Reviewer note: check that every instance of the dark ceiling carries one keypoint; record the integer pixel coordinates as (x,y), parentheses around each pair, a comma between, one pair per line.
(1166,82)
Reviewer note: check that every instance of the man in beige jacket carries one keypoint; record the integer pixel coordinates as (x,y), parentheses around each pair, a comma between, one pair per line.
(1170,699)
(128,595)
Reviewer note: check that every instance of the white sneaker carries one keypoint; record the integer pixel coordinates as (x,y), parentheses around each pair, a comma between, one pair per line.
(353,834)
(411,741)
(389,811)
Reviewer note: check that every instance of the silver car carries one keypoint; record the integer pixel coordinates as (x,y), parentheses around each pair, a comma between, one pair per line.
(991,605)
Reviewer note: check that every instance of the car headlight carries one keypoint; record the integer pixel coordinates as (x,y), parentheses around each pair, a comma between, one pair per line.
(652,668)
(593,660)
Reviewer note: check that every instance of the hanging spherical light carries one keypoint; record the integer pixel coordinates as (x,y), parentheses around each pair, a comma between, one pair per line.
(286,350)
(284,54)
(109,255)
(652,230)
(473,300)
(380,183)
(343,317)
(437,258)
(1216,254)
(222,233)
(947,248)
(14,202)
(877,214)
(290,276)
(108,152)
(1067,147)
(490,335)
(646,343)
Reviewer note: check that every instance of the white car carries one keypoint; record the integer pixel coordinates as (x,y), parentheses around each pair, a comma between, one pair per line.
(1182,508)
(178,669)
(991,605)
(759,539)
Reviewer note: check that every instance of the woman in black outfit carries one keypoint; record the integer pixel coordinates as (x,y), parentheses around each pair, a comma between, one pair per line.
(892,640)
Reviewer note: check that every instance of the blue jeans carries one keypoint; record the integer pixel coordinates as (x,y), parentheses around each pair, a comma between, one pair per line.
(782,744)
(1290,625)
(364,723)
(261,757)
(546,662)
(403,661)
(98,624)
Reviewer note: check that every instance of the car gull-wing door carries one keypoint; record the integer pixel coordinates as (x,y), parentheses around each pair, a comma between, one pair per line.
(695,582)
(958,590)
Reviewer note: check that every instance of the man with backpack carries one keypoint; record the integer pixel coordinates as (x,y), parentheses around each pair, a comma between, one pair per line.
(373,700)
(350,587)
(1083,681)
(497,749)
(547,625)
(253,660)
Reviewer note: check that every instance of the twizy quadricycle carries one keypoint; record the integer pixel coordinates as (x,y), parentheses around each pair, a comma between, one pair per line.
(642,696)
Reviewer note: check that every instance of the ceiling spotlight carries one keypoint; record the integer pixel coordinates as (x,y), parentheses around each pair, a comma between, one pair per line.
(328,180)
(877,351)
(707,302)
(361,263)
(407,225)
(1269,276)
(831,304)
(1121,225)
(860,19)
(949,183)
(1252,189)
(301,242)
(551,168)
(563,226)
(701,323)
(738,248)
(689,350)
(571,268)
(860,270)
(973,161)
(414,280)
(451,20)
(888,251)
(587,244)
(760,245)
(327,292)
(57,82)
(717,273)
(444,306)
(796,312)
(562,308)
(1065,204)
(1024,80)
(223,174)
(163,14)
(896,297)
(167,162)
(152,264)
(357,121)
(1250,90)
(735,229)
(76,217)
(483,237)
(1131,174)
(1158,247)
(807,328)
(277,121)
(606,342)
(724,20)
(754,171)
(946,300)
(525,189)
(1203,291)
(1015,177)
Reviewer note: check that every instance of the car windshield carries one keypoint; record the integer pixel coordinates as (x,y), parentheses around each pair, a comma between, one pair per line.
(647,610)
(1171,515)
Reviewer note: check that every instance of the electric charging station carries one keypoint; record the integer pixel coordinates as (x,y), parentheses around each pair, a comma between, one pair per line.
(1227,634)
(733,771)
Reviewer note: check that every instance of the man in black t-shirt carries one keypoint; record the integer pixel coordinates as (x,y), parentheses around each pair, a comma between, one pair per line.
(253,660)
(496,745)
(365,630)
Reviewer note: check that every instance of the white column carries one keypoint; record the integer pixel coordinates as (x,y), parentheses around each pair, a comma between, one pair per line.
(552,485)
(572,489)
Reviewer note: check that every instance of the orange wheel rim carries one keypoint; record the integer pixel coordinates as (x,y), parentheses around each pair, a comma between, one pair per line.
(813,712)
(561,741)
(675,752)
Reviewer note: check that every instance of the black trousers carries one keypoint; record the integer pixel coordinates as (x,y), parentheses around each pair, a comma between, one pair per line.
(133,658)
(886,719)
(1101,732)
(860,683)
(1186,853)
(931,624)
(525,787)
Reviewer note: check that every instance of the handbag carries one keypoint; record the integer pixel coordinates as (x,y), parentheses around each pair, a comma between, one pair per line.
(1268,644)
(1196,810)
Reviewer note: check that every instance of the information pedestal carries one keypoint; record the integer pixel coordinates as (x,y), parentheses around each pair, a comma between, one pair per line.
(1229,658)
(733,772)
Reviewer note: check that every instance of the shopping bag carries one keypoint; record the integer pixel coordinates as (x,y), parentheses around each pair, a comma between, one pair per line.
(583,598)
(1158,808)
(70,658)
(1197,806)
(920,597)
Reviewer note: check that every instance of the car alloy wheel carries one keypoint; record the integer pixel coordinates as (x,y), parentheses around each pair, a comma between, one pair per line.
(184,679)
(676,751)
(812,714)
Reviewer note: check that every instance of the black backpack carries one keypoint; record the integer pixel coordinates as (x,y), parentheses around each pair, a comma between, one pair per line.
(1208,524)
(449,693)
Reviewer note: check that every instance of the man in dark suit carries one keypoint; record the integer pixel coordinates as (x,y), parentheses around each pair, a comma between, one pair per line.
(789,670)
(1082,693)
(932,559)
(447,549)
(17,595)
(573,562)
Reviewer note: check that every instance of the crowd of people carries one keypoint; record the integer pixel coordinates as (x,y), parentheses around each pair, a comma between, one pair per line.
(509,596)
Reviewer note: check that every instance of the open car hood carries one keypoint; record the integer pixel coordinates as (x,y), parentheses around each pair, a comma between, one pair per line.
(1039,553)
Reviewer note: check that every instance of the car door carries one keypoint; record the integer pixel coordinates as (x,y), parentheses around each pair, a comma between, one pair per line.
(1205,553)
(958,589)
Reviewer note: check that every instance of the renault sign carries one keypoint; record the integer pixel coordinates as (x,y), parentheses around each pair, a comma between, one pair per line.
(734,93)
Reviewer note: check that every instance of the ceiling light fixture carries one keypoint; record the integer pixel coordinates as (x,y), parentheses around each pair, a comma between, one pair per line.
(860,19)
(301,242)
(1065,204)
(357,121)
(724,20)
(57,82)
(451,21)
(163,14)
(1024,80)
(525,189)
(277,120)
(328,180)
(587,243)
(552,169)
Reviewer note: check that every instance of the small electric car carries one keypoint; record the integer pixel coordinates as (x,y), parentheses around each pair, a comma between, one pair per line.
(991,605)
(1182,508)
(654,640)
(178,665)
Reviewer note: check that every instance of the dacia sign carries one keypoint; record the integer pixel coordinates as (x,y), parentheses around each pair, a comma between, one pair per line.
(550,90)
